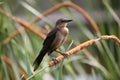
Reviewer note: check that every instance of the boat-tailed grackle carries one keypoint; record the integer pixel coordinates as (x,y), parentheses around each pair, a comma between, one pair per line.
(53,41)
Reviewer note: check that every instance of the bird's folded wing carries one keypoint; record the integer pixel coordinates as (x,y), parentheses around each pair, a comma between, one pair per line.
(50,37)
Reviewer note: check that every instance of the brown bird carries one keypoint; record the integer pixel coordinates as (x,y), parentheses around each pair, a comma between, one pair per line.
(53,41)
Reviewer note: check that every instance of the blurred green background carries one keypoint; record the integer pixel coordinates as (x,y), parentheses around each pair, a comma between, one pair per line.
(100,61)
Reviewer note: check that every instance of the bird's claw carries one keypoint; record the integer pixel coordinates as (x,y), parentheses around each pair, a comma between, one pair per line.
(55,60)
(64,54)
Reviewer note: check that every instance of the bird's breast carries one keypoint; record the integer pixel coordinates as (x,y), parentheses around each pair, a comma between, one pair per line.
(64,31)
(60,38)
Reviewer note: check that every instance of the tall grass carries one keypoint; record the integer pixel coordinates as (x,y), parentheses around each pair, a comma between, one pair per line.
(18,50)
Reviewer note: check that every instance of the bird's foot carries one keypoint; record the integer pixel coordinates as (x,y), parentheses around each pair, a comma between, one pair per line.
(64,54)
(55,61)
(53,58)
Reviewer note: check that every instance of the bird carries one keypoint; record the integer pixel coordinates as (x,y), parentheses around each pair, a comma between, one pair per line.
(53,41)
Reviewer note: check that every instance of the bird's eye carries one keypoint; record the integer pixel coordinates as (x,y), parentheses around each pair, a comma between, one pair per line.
(62,21)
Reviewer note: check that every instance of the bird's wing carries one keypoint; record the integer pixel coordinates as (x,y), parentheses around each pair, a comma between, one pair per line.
(50,37)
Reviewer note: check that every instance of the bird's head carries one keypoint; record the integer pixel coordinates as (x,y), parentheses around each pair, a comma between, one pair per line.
(62,22)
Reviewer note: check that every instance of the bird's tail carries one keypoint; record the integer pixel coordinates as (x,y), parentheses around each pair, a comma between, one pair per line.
(39,58)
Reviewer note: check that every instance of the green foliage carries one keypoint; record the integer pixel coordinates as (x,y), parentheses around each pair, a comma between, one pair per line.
(103,59)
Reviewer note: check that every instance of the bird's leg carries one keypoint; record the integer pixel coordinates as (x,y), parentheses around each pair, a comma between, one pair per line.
(62,53)
(53,58)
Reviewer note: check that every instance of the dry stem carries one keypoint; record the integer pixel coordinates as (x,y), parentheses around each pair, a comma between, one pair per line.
(22,23)
(48,12)
(74,6)
(84,45)
(15,33)
(8,62)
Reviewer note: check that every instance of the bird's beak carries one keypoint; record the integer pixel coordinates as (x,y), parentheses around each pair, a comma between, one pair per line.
(68,20)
